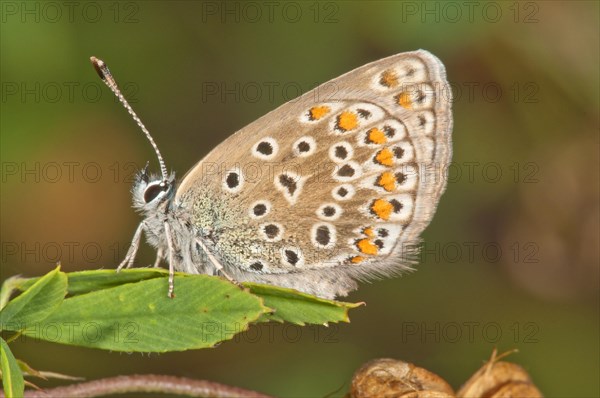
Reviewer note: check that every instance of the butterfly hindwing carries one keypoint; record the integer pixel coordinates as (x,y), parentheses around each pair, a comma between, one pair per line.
(332,185)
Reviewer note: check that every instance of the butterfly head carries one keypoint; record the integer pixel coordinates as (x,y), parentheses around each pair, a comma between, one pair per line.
(151,192)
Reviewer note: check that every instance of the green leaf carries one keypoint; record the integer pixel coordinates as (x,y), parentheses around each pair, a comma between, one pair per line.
(12,377)
(9,286)
(289,305)
(280,304)
(88,281)
(300,308)
(139,317)
(36,303)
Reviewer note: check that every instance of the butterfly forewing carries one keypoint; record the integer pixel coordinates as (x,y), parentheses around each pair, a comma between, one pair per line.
(344,176)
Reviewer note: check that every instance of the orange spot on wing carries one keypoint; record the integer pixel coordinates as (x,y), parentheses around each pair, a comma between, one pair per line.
(347,121)
(317,112)
(368,231)
(377,136)
(387,181)
(385,157)
(382,209)
(403,99)
(356,259)
(388,79)
(366,247)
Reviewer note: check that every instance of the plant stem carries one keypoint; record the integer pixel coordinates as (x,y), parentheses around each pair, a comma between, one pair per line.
(145,384)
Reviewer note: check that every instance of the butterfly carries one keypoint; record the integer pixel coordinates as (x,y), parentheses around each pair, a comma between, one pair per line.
(331,188)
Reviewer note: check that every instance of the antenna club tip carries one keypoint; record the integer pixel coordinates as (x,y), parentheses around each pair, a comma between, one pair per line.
(96,61)
(99,66)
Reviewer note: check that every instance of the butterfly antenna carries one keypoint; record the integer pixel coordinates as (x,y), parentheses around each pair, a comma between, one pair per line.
(109,80)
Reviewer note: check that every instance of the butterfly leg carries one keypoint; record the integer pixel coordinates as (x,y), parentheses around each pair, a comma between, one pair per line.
(159,256)
(216,263)
(171,293)
(135,244)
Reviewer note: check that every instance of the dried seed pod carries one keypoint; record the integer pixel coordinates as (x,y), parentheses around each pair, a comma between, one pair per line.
(391,378)
(499,380)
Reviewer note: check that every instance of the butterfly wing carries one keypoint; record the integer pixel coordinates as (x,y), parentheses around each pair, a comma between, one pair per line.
(333,186)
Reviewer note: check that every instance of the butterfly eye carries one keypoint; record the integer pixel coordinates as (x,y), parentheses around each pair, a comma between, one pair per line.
(152,192)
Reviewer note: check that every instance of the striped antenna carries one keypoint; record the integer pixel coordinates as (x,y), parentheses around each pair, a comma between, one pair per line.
(109,80)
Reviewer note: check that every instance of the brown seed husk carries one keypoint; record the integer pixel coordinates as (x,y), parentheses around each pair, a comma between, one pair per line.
(390,378)
(498,379)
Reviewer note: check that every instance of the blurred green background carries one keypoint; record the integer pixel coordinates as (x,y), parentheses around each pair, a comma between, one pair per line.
(511,258)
